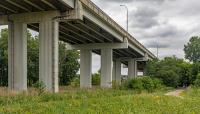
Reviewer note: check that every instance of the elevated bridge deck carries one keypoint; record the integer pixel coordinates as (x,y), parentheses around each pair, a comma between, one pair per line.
(81,24)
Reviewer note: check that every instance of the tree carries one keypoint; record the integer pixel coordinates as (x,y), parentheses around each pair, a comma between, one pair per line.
(185,74)
(192,49)
(3,58)
(172,71)
(151,67)
(194,71)
(32,59)
(197,81)
(168,77)
(68,64)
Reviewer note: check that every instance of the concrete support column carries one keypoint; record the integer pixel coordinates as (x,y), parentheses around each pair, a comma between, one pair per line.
(106,68)
(114,71)
(85,68)
(48,54)
(17,56)
(132,68)
(136,69)
(117,71)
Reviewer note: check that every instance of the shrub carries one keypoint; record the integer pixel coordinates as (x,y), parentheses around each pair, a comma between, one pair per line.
(197,81)
(142,83)
(76,81)
(157,83)
(39,85)
(96,79)
(116,84)
(148,84)
(168,77)
(135,84)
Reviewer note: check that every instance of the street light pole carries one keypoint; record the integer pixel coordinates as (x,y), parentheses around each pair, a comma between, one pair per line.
(126,17)
(157,49)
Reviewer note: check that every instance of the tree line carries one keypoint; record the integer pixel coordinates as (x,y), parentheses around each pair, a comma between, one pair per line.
(175,72)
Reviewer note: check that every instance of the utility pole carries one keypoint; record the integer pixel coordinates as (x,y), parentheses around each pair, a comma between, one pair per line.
(157,49)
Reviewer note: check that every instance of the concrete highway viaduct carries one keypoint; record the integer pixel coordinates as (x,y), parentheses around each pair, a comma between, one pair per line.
(82,25)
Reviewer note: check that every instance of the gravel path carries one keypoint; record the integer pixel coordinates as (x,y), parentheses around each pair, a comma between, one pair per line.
(176,93)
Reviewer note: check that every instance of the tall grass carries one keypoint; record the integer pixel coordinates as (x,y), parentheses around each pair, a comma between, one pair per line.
(100,101)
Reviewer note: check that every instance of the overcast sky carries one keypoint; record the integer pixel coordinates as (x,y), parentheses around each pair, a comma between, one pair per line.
(168,23)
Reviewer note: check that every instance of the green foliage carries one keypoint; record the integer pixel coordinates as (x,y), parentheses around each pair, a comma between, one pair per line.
(4,57)
(142,83)
(148,84)
(172,71)
(116,85)
(158,84)
(152,67)
(76,81)
(40,87)
(68,64)
(32,59)
(197,81)
(192,49)
(195,71)
(135,84)
(96,79)
(169,77)
(185,74)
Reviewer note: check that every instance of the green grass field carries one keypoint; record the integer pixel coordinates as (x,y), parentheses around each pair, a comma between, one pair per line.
(99,101)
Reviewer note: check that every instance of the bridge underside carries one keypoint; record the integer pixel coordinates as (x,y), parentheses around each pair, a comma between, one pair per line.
(8,7)
(74,31)
(86,32)
(81,32)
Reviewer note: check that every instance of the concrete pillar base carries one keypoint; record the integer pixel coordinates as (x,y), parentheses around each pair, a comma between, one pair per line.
(117,71)
(17,57)
(48,55)
(132,68)
(85,68)
(106,68)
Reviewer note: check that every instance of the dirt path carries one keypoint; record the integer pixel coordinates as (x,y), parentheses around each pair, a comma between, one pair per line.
(176,93)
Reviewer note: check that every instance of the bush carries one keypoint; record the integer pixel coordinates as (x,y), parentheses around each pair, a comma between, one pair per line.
(135,84)
(148,84)
(142,83)
(76,81)
(96,79)
(157,83)
(39,85)
(168,77)
(116,84)
(197,81)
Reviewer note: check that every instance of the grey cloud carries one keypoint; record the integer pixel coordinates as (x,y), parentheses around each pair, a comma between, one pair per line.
(165,31)
(144,17)
(161,31)
(182,8)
